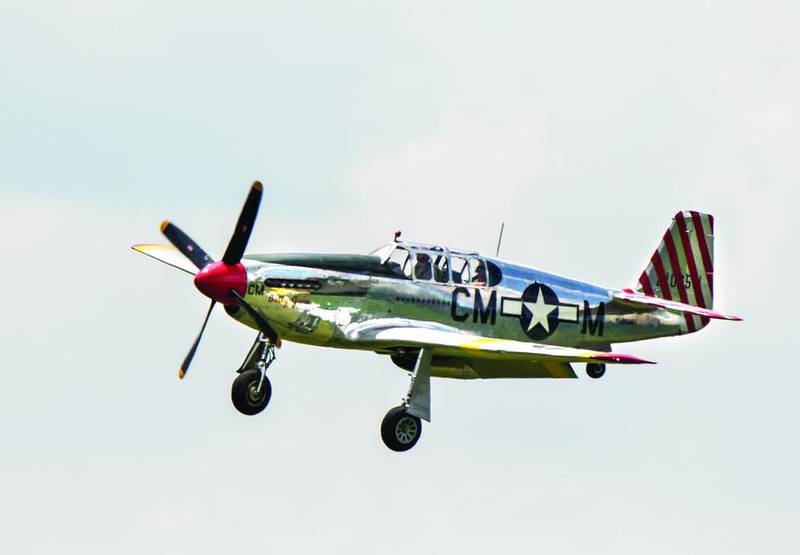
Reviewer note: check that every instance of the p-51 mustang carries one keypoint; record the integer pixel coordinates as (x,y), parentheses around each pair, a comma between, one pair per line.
(442,312)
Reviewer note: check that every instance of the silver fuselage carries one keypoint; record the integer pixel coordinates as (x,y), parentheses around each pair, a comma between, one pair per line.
(315,306)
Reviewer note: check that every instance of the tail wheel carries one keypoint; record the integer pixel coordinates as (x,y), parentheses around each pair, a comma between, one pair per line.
(400,431)
(595,370)
(249,393)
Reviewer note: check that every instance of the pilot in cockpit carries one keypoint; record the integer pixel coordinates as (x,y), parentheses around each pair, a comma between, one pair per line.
(422,269)
(480,274)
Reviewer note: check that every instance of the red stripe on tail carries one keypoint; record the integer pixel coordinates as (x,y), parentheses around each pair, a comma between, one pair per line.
(687,249)
(644,281)
(677,275)
(663,284)
(701,240)
(693,273)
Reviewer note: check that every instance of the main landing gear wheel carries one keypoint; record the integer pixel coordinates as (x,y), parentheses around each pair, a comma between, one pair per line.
(250,393)
(400,431)
(595,370)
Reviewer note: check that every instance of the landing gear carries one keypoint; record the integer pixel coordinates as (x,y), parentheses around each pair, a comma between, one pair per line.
(406,360)
(402,426)
(400,430)
(595,370)
(251,390)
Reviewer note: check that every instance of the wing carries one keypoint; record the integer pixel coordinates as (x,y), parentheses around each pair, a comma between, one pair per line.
(637,300)
(483,356)
(168,255)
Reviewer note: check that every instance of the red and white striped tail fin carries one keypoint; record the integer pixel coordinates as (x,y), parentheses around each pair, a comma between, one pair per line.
(682,268)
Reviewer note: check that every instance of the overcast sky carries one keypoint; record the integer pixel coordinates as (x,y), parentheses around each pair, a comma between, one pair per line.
(583,125)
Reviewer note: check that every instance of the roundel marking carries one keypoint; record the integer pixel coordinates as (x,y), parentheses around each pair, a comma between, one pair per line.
(539,315)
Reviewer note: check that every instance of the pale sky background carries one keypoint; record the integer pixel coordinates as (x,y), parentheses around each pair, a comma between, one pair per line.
(584,125)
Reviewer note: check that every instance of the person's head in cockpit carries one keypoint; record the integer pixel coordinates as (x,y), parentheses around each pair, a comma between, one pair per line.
(480,274)
(423,267)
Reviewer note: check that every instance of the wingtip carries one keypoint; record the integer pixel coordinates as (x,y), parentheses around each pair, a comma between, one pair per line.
(258,186)
(164,225)
(620,358)
(181,373)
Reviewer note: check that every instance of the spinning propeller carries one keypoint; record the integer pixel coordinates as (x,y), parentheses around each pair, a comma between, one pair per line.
(224,281)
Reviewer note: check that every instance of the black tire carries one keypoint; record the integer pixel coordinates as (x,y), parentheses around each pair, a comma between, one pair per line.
(400,431)
(244,396)
(595,370)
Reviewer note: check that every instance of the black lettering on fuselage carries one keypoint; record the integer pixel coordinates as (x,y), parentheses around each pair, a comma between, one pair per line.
(454,304)
(593,326)
(255,288)
(486,312)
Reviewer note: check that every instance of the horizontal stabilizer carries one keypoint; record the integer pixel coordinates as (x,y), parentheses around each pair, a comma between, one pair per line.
(168,255)
(630,298)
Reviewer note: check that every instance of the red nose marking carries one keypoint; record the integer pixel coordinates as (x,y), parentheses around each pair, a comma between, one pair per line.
(217,279)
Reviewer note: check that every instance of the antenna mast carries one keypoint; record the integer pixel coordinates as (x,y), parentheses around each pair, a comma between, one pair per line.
(500,240)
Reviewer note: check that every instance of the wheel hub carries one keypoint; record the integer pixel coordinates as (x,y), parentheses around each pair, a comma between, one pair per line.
(254,396)
(406,430)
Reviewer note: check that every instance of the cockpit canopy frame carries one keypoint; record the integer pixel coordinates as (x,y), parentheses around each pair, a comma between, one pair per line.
(438,264)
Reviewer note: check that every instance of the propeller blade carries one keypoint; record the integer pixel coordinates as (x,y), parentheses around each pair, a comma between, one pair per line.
(168,255)
(238,242)
(184,243)
(190,355)
(262,323)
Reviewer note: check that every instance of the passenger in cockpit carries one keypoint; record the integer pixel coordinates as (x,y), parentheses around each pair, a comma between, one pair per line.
(423,267)
(480,274)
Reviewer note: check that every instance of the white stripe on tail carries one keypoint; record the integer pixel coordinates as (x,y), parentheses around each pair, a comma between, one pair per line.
(682,268)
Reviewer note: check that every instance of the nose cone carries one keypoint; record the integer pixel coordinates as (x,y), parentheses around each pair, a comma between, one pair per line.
(216,280)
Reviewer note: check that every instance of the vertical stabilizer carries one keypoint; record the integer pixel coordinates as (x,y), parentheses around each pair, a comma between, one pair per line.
(682,268)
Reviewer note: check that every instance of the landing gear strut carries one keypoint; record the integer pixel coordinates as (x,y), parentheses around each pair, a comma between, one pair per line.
(402,426)
(251,390)
(595,370)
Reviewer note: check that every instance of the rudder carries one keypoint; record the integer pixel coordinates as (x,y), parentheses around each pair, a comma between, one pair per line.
(682,268)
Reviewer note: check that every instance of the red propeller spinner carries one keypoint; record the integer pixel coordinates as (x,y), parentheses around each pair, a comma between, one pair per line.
(216,280)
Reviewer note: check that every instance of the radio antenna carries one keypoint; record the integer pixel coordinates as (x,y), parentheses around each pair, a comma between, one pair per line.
(500,240)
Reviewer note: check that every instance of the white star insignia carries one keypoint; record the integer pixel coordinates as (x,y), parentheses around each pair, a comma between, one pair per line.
(539,310)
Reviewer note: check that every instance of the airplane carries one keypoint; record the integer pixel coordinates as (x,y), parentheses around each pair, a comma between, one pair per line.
(442,312)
